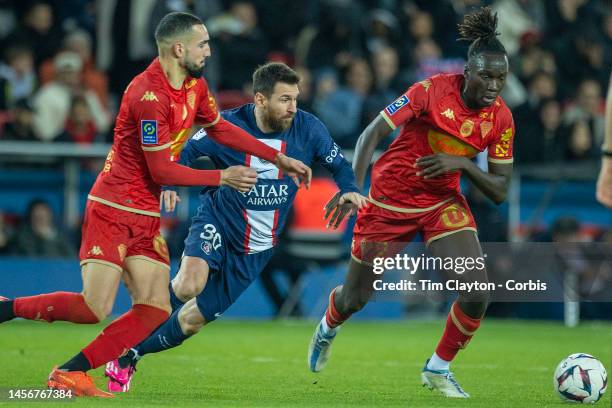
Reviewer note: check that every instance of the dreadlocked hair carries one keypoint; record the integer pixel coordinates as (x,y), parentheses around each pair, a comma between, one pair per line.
(480,29)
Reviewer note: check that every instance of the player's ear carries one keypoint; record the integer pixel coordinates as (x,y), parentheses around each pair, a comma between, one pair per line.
(259,98)
(178,49)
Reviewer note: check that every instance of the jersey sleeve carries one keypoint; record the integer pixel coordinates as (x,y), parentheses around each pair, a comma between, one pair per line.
(207,113)
(199,145)
(411,104)
(329,155)
(151,114)
(501,146)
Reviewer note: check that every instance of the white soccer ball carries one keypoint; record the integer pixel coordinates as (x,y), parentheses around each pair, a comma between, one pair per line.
(580,378)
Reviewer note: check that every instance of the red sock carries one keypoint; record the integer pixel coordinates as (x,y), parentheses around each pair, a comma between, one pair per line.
(332,316)
(124,333)
(66,306)
(459,330)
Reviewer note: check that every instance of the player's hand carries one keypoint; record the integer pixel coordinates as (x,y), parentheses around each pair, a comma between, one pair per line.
(604,182)
(295,169)
(342,205)
(438,164)
(168,199)
(240,178)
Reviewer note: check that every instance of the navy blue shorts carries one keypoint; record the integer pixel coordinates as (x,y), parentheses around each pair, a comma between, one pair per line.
(231,272)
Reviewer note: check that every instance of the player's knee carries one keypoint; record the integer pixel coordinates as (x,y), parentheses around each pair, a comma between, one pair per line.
(101,309)
(474,304)
(191,279)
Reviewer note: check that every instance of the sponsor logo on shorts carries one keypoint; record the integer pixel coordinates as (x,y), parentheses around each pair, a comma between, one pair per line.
(206,247)
(95,251)
(159,244)
(397,104)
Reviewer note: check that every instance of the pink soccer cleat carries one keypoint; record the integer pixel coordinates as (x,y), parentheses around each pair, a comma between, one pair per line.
(119,379)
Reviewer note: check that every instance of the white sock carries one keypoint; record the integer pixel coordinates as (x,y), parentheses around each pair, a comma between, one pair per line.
(437,364)
(326,329)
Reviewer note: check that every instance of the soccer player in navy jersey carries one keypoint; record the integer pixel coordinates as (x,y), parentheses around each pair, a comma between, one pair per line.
(232,236)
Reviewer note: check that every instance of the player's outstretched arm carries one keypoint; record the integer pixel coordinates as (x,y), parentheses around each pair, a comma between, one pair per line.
(494,183)
(376,131)
(168,173)
(232,136)
(240,178)
(604,181)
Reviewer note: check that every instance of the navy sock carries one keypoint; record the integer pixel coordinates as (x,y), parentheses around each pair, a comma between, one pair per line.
(77,363)
(6,311)
(175,302)
(166,336)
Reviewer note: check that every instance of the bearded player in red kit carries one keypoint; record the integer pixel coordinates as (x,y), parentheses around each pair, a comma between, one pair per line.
(445,121)
(121,238)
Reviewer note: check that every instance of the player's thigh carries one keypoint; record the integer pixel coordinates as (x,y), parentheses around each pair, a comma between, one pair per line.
(147,281)
(100,284)
(460,246)
(191,277)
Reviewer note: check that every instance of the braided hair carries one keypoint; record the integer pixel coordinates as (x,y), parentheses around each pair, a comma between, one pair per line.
(480,29)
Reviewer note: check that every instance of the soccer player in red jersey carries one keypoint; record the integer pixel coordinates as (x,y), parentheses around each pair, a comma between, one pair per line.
(445,121)
(121,238)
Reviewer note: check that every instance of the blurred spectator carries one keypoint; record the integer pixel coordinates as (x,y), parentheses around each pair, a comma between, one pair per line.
(80,127)
(335,38)
(39,236)
(579,142)
(306,89)
(428,61)
(125,44)
(517,18)
(541,86)
(282,21)
(17,75)
(21,127)
(37,31)
(53,100)
(588,107)
(79,41)
(340,108)
(387,85)
(381,30)
(540,136)
(241,45)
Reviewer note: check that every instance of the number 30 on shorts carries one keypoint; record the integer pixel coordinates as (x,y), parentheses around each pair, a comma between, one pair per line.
(211,238)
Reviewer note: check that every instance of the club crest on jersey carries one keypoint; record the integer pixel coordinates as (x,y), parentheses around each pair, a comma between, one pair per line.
(148,132)
(397,104)
(466,128)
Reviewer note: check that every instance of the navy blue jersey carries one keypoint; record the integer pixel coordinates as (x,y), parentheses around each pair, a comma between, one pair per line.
(252,221)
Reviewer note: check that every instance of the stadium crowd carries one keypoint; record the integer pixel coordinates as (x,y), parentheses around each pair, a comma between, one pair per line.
(65,65)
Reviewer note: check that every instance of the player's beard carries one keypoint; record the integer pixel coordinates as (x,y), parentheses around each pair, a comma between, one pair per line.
(193,70)
(276,124)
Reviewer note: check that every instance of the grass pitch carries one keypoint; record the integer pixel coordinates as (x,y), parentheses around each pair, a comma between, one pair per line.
(263,364)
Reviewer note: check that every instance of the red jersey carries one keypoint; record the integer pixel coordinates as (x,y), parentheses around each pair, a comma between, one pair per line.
(153,116)
(435,119)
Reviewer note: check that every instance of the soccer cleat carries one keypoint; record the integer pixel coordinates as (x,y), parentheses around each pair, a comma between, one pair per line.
(119,379)
(79,382)
(319,349)
(443,381)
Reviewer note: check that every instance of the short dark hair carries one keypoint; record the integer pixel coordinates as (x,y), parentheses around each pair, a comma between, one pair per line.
(175,24)
(266,76)
(480,29)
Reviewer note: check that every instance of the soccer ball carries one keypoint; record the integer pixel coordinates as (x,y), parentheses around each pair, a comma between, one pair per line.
(580,378)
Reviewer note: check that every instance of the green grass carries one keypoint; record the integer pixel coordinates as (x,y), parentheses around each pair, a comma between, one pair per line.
(235,363)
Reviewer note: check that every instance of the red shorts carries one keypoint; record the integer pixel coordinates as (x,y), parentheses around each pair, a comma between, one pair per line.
(377,228)
(111,235)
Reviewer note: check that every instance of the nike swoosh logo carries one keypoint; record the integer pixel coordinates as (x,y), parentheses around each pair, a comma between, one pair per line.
(218,314)
(264,171)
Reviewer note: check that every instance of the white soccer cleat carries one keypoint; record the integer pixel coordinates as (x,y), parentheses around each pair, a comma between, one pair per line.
(443,381)
(319,349)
